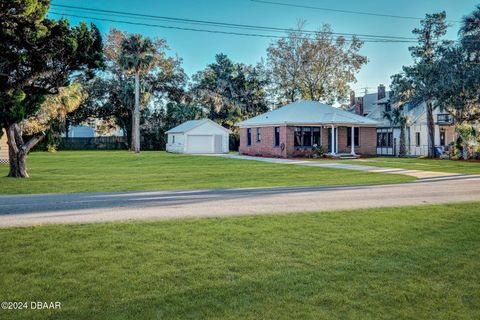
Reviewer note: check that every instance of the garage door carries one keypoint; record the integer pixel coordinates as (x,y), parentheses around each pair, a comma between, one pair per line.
(200,144)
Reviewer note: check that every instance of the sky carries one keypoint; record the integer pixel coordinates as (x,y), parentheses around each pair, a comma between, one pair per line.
(197,49)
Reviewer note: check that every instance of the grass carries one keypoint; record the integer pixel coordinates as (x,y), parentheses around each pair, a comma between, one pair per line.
(90,171)
(453,166)
(396,263)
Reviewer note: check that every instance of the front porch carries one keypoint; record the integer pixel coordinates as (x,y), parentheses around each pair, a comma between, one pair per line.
(343,156)
(337,141)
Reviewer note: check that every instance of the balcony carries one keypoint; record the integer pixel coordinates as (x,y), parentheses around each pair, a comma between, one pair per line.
(444,119)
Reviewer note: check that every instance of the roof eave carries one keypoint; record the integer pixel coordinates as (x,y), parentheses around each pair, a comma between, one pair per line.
(308,124)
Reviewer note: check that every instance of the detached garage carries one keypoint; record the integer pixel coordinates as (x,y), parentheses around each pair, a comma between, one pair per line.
(198,136)
(3,148)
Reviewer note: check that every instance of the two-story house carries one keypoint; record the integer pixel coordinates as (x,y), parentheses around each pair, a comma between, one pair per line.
(374,105)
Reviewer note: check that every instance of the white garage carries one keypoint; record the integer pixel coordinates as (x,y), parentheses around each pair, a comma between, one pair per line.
(198,136)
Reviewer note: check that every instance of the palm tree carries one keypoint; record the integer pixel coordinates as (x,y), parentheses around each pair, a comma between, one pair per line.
(467,133)
(470,34)
(398,119)
(471,23)
(138,56)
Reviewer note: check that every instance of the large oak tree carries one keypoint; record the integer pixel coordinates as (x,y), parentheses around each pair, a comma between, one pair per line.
(38,57)
(317,66)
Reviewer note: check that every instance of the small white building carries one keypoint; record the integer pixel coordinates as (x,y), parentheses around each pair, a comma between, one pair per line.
(3,148)
(198,136)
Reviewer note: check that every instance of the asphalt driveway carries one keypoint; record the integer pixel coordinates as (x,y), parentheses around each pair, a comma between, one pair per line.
(25,210)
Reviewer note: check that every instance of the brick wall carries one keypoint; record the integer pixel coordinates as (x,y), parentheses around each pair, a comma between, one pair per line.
(367,141)
(266,146)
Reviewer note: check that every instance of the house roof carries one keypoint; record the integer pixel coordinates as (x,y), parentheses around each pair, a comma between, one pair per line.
(308,112)
(412,111)
(191,124)
(371,102)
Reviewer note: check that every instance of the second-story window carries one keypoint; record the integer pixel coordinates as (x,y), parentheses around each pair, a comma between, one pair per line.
(388,107)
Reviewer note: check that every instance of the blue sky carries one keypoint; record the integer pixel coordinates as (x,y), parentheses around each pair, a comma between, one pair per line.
(198,49)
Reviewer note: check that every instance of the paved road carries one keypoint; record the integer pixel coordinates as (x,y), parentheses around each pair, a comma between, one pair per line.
(99,207)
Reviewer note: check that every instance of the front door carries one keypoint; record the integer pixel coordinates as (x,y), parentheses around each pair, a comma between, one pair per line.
(442,137)
(385,142)
(330,142)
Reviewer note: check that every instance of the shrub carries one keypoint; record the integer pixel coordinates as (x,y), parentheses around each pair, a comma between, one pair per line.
(317,151)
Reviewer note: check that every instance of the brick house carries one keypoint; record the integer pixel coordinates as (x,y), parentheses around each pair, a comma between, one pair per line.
(294,129)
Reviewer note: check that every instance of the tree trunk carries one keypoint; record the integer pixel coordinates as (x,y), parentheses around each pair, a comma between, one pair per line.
(403,147)
(431,129)
(136,117)
(465,154)
(67,128)
(465,149)
(18,150)
(312,93)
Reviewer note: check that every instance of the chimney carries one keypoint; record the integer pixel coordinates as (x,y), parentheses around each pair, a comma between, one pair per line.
(352,98)
(381,92)
(359,106)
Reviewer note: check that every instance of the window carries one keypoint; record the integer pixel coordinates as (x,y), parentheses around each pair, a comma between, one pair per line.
(384,138)
(316,136)
(249,137)
(298,137)
(356,137)
(388,107)
(173,139)
(276,132)
(444,118)
(417,139)
(259,136)
(306,136)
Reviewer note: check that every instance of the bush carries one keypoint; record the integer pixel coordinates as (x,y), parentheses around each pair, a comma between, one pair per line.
(317,151)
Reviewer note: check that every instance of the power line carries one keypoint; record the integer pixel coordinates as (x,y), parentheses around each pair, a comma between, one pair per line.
(220,24)
(205,30)
(286,4)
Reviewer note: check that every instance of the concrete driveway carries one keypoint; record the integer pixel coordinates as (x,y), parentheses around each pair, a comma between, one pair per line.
(421,174)
(25,210)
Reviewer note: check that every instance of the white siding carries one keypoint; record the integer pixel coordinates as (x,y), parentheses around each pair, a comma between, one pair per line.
(175,142)
(211,129)
(203,138)
(420,126)
(3,149)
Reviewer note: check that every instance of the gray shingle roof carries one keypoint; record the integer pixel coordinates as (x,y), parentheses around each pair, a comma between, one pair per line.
(371,102)
(189,125)
(186,126)
(308,112)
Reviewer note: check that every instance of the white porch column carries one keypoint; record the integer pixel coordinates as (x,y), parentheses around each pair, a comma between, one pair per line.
(352,141)
(332,140)
(336,141)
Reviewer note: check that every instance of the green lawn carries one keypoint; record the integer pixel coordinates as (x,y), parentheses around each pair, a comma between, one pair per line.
(412,262)
(452,166)
(88,171)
